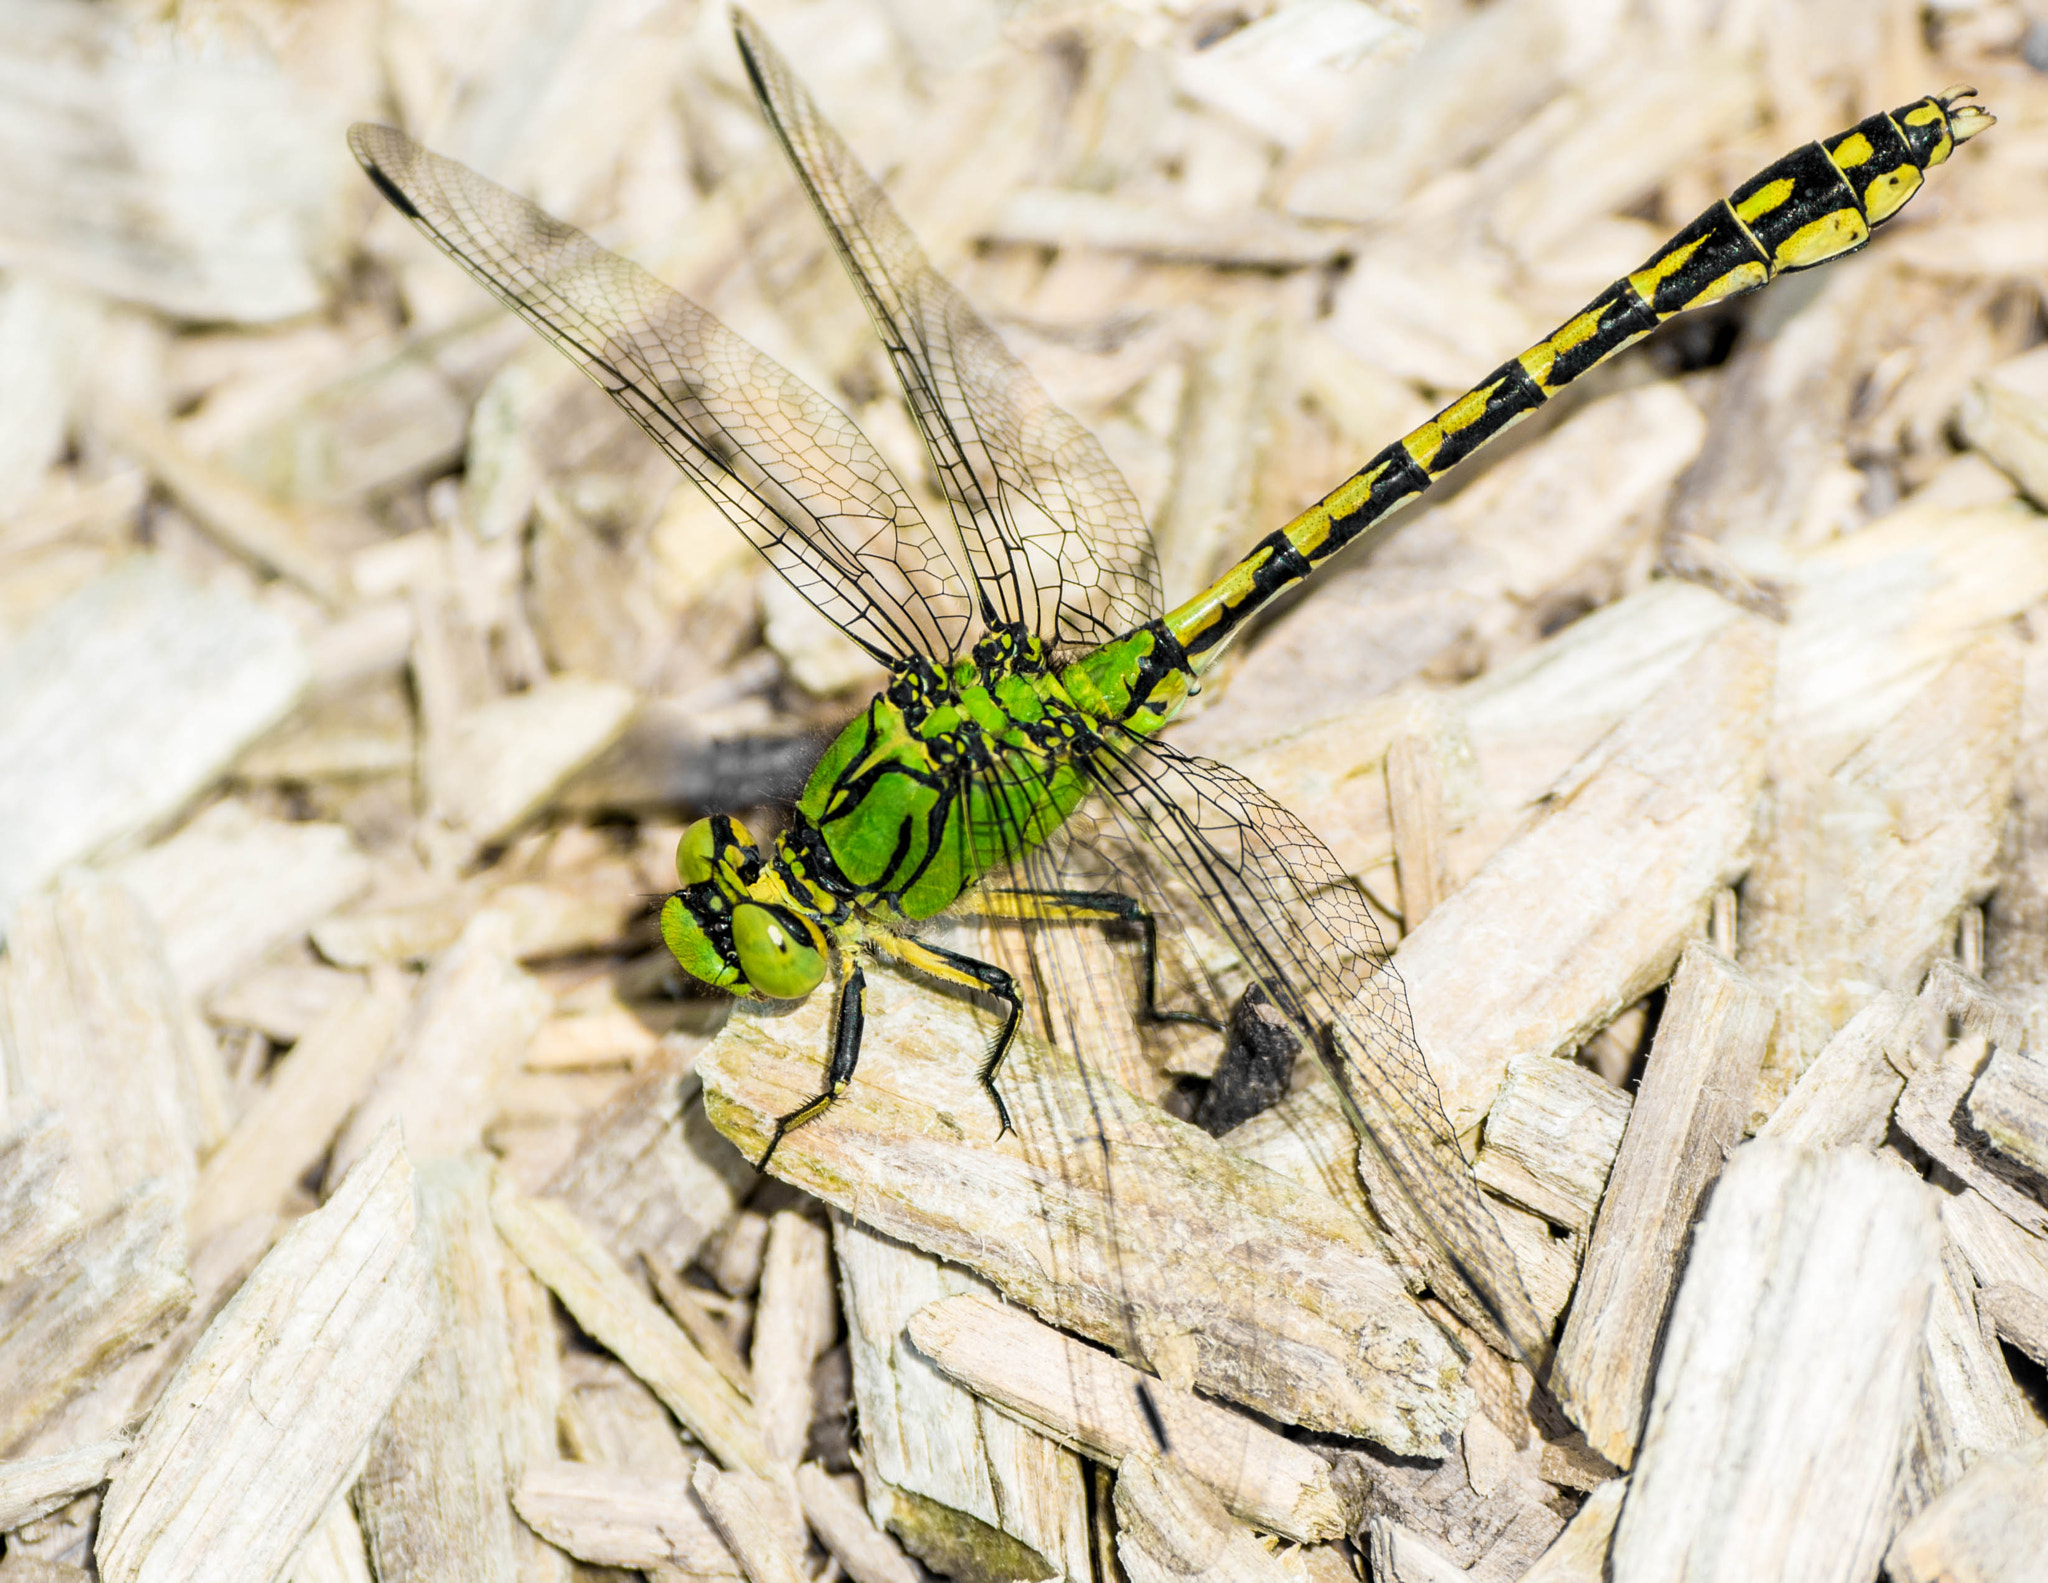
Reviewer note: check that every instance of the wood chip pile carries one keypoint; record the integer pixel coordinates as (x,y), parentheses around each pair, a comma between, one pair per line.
(364,1204)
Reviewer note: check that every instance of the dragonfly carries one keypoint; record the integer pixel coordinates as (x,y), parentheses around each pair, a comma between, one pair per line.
(1031,673)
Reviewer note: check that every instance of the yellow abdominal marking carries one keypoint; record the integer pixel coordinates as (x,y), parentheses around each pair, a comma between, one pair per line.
(1764,199)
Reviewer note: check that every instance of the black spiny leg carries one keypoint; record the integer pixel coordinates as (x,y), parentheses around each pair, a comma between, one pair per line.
(847,1023)
(1093,906)
(953,968)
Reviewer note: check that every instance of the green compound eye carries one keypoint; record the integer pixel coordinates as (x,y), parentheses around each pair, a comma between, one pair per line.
(775,955)
(694,853)
(697,852)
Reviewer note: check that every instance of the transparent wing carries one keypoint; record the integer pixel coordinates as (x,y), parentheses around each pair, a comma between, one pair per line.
(1280,898)
(787,467)
(1054,536)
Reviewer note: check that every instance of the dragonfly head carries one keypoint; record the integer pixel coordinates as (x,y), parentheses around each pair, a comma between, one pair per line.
(734,923)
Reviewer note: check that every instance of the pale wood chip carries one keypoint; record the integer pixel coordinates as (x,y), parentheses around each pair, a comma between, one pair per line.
(1688,1111)
(1090,1401)
(505,758)
(117,1284)
(333,1551)
(1968,1405)
(2009,1104)
(2005,415)
(265,1419)
(284,1001)
(608,1416)
(752,1514)
(37,1486)
(1192,1243)
(1992,1527)
(613,1309)
(649,1173)
(794,1322)
(2019,1316)
(1845,1097)
(470,1021)
(304,1100)
(434,1494)
(1404,1556)
(1415,811)
(1551,1137)
(241,518)
(1579,1554)
(170,207)
(233,885)
(1788,1373)
(611,1517)
(38,1201)
(834,1511)
(1933,1111)
(120,704)
(1170,1525)
(98,1027)
(965,1486)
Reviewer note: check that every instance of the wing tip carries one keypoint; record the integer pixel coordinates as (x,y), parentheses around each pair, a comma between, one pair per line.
(374,147)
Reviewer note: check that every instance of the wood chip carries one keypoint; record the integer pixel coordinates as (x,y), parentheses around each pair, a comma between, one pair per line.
(506,757)
(1688,1112)
(1788,1373)
(268,1415)
(97,1024)
(748,1512)
(917,1120)
(37,1486)
(964,1486)
(122,703)
(115,1286)
(171,207)
(867,1553)
(305,1099)
(649,1175)
(469,1023)
(1579,1554)
(38,1202)
(612,1517)
(794,1322)
(1551,1138)
(607,1303)
(2009,1105)
(1171,1525)
(1990,1528)
(1846,1097)
(430,1499)
(1091,1402)
(232,886)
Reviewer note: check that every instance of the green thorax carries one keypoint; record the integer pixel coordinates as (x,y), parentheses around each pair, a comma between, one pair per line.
(949,773)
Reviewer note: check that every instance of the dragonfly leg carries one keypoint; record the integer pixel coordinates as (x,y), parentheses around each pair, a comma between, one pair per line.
(1093,906)
(953,968)
(847,1023)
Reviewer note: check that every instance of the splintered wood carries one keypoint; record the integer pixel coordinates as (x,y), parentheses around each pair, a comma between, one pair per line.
(377,1196)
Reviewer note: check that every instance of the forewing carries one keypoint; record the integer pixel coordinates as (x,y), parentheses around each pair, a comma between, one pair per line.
(792,471)
(1053,534)
(1279,896)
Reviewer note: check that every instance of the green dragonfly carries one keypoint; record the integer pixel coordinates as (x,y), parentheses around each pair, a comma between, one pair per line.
(1037,680)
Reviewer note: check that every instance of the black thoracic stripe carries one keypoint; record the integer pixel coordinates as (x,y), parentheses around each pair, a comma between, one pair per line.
(1163,658)
(1397,479)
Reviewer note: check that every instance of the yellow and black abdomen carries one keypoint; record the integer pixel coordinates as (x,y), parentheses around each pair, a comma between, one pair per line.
(1815,204)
